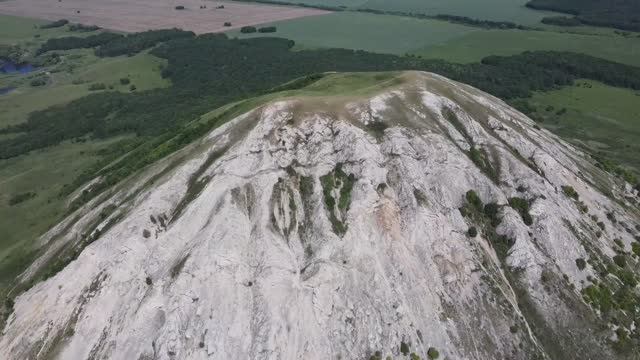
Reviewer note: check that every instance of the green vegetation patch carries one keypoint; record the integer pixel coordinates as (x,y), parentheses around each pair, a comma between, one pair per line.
(337,204)
(482,161)
(522,207)
(487,218)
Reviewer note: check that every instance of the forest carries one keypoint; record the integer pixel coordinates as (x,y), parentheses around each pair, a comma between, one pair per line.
(211,70)
(620,14)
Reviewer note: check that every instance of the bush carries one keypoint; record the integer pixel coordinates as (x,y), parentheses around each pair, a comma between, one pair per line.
(55,24)
(620,260)
(377,128)
(404,348)
(581,264)
(248,29)
(83,28)
(132,88)
(491,211)
(432,353)
(561,21)
(570,192)
(179,7)
(97,86)
(38,82)
(22,197)
(267,29)
(635,247)
(125,81)
(474,200)
(472,232)
(522,206)
(227,24)
(146,233)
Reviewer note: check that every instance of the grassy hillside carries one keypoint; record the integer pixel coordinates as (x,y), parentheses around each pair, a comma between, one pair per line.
(30,185)
(42,174)
(600,118)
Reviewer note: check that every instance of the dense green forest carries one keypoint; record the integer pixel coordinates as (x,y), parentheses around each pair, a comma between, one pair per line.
(75,42)
(620,14)
(110,44)
(210,70)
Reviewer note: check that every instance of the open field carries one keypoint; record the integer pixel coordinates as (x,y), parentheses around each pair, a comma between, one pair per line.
(363,31)
(497,10)
(442,40)
(600,118)
(140,15)
(475,45)
(14,29)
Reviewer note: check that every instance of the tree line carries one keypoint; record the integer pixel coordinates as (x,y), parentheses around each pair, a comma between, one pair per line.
(211,70)
(486,24)
(110,44)
(619,14)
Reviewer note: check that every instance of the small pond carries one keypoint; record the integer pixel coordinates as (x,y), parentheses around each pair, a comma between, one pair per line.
(8,67)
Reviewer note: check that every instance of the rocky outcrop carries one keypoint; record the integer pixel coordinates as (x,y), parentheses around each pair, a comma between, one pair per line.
(426,217)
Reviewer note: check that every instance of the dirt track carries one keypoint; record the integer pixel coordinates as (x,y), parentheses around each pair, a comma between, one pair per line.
(139,15)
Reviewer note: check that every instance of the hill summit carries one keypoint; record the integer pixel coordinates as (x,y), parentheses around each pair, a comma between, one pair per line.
(365,216)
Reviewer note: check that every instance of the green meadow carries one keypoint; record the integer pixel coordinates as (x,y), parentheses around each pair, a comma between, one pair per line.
(363,31)
(497,10)
(474,46)
(602,119)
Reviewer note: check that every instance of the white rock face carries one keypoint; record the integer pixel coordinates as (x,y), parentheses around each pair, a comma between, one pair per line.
(241,246)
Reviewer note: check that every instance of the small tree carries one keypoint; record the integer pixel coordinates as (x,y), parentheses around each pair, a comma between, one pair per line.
(620,260)
(581,264)
(97,86)
(227,24)
(248,29)
(38,82)
(473,199)
(267,29)
(404,348)
(432,353)
(570,192)
(472,232)
(125,81)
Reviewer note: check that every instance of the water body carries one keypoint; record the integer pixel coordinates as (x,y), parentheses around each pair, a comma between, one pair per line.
(8,67)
